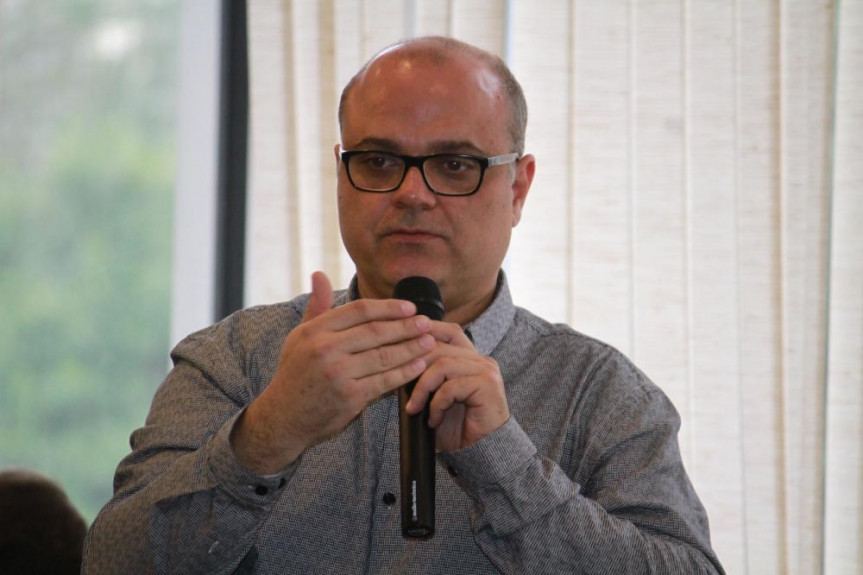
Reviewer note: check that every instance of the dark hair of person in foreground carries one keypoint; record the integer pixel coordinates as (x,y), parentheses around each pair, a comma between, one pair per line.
(41,532)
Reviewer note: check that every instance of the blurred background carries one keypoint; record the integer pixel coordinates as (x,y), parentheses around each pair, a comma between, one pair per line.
(88,129)
(697,205)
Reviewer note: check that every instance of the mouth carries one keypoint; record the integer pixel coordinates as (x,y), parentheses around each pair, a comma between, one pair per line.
(411,235)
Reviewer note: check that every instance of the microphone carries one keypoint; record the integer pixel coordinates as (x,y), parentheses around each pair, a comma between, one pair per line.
(416,438)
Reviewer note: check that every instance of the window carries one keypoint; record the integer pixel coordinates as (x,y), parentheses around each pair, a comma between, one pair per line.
(88,93)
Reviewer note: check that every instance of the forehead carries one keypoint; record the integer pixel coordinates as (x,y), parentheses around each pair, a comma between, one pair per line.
(416,96)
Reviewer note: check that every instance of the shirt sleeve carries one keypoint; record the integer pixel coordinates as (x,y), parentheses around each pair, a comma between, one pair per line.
(634,510)
(183,503)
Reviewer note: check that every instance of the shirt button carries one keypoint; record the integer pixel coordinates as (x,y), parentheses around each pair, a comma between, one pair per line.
(389,498)
(261,490)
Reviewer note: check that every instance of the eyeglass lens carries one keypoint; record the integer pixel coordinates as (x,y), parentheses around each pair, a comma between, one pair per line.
(445,173)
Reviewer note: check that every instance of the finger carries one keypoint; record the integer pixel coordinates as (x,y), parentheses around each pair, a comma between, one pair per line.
(382,358)
(439,372)
(451,333)
(321,299)
(448,433)
(368,310)
(373,335)
(374,386)
(465,391)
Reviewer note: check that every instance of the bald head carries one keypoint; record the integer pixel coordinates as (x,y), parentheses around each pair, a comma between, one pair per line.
(440,51)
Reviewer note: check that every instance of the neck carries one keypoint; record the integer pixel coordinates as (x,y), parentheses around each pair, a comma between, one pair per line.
(467,311)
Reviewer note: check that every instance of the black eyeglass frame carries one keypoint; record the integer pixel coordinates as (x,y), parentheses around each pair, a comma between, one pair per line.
(419,163)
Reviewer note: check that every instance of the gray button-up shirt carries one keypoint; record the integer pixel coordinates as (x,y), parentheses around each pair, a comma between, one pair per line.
(585,477)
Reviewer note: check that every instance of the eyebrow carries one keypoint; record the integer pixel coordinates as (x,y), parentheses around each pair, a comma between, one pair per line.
(438,147)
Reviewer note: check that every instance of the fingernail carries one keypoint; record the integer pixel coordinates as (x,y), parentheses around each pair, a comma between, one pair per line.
(408,308)
(422,322)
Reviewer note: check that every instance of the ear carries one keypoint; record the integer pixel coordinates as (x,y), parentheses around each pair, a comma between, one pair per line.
(524,171)
(336,151)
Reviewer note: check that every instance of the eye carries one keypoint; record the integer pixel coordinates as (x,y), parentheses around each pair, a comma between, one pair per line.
(378,161)
(454,164)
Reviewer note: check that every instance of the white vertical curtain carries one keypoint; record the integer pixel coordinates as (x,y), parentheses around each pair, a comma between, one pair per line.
(698,204)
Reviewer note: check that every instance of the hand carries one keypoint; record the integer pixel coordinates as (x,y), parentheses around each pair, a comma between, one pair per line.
(469,399)
(330,368)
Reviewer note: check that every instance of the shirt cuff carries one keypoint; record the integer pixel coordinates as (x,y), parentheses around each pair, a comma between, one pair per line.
(492,458)
(241,483)
(510,484)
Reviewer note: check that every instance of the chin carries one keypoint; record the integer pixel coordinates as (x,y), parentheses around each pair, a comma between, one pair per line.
(401,272)
(380,280)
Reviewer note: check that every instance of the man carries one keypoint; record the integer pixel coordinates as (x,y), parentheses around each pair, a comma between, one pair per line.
(272,447)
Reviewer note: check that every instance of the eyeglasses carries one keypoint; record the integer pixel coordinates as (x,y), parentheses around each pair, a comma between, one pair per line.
(444,174)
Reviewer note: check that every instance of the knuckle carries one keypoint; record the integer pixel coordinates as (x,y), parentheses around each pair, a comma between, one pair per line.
(408,325)
(447,363)
(297,335)
(423,387)
(490,367)
(384,356)
(347,391)
(332,371)
(407,372)
(318,352)
(398,377)
(388,381)
(442,398)
(321,348)
(364,309)
(377,329)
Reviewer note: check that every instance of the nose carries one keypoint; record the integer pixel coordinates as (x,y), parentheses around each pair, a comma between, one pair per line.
(414,193)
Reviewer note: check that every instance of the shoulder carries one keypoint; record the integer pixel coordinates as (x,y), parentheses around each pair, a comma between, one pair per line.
(562,341)
(590,367)
(252,328)
(531,326)
(240,352)
(243,327)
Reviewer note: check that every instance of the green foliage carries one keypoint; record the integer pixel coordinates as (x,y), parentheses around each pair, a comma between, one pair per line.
(85,239)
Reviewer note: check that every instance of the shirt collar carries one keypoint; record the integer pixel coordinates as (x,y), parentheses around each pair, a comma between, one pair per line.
(486,331)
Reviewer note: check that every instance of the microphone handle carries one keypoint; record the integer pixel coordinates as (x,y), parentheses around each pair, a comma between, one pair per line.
(417,454)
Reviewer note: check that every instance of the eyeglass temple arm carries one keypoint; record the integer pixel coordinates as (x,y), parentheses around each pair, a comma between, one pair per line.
(503,159)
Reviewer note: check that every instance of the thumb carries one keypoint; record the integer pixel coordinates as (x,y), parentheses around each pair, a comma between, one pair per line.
(321,299)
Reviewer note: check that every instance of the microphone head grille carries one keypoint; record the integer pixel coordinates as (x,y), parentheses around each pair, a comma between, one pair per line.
(424,293)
